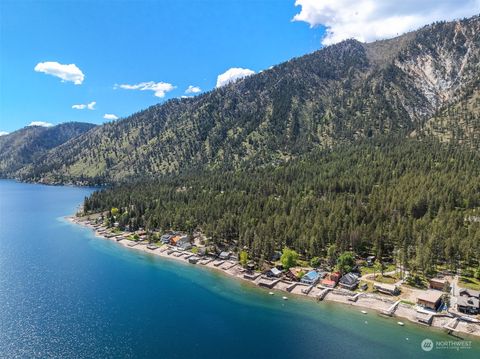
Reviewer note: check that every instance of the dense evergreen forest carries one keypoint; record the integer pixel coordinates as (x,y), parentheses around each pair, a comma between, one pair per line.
(417,202)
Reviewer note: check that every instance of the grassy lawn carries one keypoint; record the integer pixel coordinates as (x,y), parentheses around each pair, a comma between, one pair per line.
(470,283)
(370,270)
(407,302)
(389,279)
(369,289)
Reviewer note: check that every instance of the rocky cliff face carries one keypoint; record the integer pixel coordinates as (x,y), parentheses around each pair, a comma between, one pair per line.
(441,61)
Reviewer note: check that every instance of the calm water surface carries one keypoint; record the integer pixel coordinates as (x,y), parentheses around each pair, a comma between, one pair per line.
(65,293)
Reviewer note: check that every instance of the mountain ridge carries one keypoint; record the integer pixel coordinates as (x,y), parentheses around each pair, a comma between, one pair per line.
(336,95)
(28,144)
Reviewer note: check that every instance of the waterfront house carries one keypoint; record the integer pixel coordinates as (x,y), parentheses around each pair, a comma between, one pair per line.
(331,280)
(437,283)
(165,239)
(468,301)
(468,305)
(292,274)
(174,239)
(430,299)
(469,293)
(328,283)
(224,256)
(311,278)
(274,272)
(390,289)
(349,281)
(184,243)
(335,276)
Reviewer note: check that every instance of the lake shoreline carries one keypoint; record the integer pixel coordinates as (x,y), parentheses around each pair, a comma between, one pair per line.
(365,301)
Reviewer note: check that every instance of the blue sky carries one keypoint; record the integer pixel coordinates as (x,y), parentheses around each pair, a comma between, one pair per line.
(117,48)
(182,43)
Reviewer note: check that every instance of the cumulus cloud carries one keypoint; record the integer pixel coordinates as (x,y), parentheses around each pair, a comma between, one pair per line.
(40,123)
(88,106)
(3,133)
(232,75)
(159,88)
(193,89)
(370,20)
(66,72)
(110,116)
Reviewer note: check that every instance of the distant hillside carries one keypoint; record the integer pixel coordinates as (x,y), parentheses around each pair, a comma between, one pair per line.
(424,83)
(29,144)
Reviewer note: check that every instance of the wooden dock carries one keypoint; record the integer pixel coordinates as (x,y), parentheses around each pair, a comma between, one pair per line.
(451,325)
(308,289)
(206,261)
(268,283)
(389,312)
(321,296)
(292,286)
(355,297)
(251,276)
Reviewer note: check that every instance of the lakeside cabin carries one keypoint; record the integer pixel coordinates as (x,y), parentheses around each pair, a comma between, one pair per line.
(165,239)
(311,278)
(437,283)
(224,256)
(331,280)
(182,242)
(274,272)
(468,301)
(292,274)
(430,299)
(390,289)
(349,281)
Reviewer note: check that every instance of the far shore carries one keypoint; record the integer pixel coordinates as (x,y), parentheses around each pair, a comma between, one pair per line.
(377,303)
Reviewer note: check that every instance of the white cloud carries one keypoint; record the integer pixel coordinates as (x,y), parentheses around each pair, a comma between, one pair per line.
(66,72)
(369,20)
(193,89)
(232,75)
(40,123)
(110,116)
(89,106)
(159,88)
(3,133)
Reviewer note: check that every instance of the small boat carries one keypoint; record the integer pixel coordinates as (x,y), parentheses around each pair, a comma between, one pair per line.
(284,298)
(364,312)
(401,323)
(271,293)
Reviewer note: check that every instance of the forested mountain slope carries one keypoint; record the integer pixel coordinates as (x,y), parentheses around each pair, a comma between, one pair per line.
(415,201)
(410,85)
(28,144)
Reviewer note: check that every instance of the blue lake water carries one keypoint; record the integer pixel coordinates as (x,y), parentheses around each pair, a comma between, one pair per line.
(65,293)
